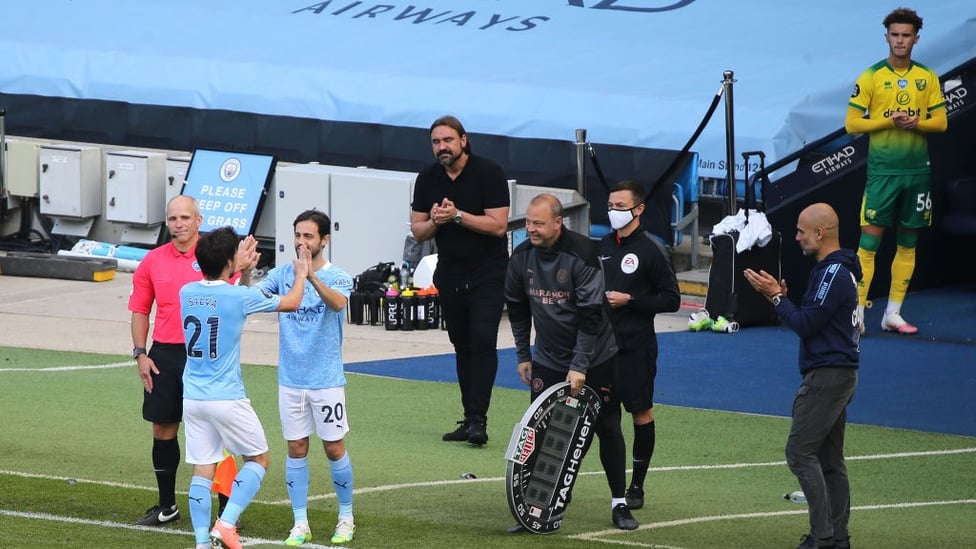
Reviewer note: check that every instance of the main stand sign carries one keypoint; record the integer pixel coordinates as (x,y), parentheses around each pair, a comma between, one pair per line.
(546,453)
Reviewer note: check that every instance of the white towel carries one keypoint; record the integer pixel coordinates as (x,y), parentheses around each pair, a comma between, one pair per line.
(757,232)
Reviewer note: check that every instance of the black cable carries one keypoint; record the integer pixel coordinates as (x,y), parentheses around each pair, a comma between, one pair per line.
(22,239)
(596,166)
(677,159)
(687,147)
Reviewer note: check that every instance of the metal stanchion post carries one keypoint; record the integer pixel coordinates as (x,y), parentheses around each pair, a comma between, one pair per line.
(727,81)
(581,161)
(3,165)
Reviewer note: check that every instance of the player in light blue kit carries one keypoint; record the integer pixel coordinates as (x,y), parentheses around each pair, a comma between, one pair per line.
(216,410)
(311,382)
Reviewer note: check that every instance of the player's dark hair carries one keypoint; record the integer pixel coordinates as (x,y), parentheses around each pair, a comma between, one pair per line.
(635,188)
(904,16)
(319,218)
(215,249)
(455,124)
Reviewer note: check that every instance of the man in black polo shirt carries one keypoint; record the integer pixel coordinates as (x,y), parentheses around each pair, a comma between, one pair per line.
(462,203)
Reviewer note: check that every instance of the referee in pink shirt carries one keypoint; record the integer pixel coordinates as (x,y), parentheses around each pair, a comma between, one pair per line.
(158,278)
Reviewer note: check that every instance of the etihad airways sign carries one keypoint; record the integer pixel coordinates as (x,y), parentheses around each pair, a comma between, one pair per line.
(419,14)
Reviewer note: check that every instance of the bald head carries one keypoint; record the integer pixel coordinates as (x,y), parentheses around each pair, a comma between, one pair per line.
(822,215)
(817,230)
(550,201)
(543,220)
(183,220)
(182,201)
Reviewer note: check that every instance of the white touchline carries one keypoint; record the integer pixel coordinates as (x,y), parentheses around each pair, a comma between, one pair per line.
(719,466)
(600,536)
(245,540)
(70,368)
(594,536)
(406,485)
(78,480)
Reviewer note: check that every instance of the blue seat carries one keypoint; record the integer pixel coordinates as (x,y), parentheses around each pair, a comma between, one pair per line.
(599,231)
(719,189)
(685,191)
(686,187)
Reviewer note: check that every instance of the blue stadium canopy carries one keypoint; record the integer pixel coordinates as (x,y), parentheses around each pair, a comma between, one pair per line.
(632,72)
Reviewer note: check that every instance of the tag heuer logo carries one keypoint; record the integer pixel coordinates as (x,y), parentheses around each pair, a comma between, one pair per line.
(526,445)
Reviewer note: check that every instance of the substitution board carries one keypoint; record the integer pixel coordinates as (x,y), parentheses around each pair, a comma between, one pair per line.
(545,455)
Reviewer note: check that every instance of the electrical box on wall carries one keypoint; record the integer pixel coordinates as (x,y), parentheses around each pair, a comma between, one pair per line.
(70,180)
(176,167)
(135,187)
(22,167)
(361,241)
(358,241)
(297,188)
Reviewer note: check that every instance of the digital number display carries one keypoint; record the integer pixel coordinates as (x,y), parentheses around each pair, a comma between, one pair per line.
(560,429)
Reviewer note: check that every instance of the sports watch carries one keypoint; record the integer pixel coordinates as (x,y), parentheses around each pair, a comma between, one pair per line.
(776,299)
(457,217)
(136,351)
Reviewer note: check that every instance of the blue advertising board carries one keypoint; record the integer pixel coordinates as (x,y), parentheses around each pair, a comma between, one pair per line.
(230,187)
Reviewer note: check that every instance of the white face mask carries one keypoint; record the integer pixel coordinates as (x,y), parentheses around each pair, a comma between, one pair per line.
(620,218)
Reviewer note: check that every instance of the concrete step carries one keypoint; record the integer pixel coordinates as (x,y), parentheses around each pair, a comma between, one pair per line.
(691,266)
(693,283)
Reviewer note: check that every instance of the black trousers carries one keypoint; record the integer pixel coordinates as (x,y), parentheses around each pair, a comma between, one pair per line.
(472,309)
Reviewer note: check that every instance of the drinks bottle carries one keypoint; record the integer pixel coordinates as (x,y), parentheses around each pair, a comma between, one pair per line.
(404,275)
(357,305)
(408,309)
(433,308)
(796,497)
(420,314)
(391,308)
(374,300)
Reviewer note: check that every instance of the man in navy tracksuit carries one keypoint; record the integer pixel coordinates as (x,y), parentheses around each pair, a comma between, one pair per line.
(640,283)
(827,323)
(554,280)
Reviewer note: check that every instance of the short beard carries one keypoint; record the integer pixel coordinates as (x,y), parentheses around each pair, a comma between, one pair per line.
(449,161)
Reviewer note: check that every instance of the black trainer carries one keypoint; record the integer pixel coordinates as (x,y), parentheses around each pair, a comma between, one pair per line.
(635,497)
(842,543)
(623,519)
(460,434)
(810,542)
(157,516)
(477,432)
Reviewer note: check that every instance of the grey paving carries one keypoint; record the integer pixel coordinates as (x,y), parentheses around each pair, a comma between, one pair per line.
(56,314)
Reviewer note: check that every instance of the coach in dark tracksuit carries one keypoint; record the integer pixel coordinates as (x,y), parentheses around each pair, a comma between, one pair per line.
(640,283)
(555,280)
(827,324)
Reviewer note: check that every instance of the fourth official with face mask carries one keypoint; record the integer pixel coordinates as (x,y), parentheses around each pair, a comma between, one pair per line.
(620,218)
